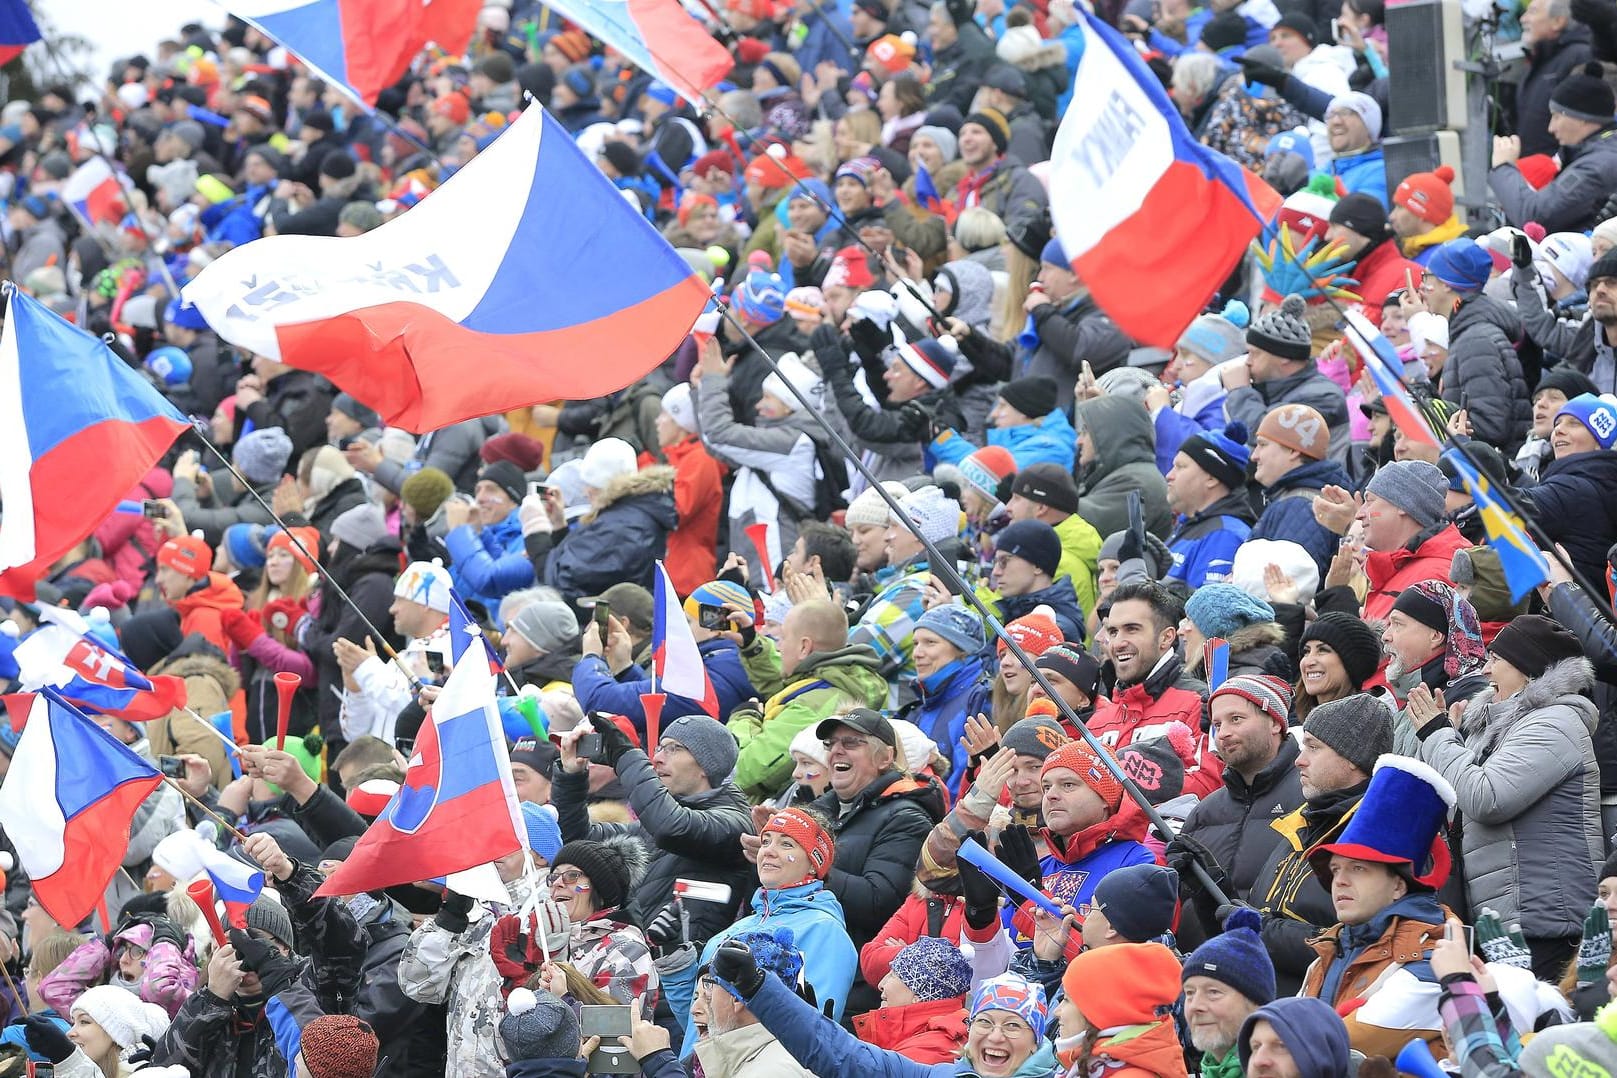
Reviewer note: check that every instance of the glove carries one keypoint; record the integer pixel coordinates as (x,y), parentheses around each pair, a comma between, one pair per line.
(827,345)
(981,893)
(143,1054)
(1521,251)
(869,339)
(275,970)
(45,1039)
(284,614)
(533,516)
(1594,953)
(165,929)
(1262,73)
(1505,946)
(241,628)
(664,928)
(614,742)
(455,913)
(1184,853)
(1020,854)
(734,964)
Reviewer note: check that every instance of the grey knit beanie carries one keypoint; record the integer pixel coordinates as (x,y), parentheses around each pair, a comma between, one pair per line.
(262,455)
(1357,727)
(1284,331)
(538,1025)
(1418,487)
(706,739)
(268,915)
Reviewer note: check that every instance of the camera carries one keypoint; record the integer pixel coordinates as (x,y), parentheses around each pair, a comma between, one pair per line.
(713,618)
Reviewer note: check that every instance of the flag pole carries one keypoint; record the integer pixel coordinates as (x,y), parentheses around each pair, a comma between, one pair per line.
(220,820)
(313,558)
(944,567)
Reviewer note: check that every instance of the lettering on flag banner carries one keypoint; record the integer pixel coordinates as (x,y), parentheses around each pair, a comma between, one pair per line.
(428,276)
(1102,151)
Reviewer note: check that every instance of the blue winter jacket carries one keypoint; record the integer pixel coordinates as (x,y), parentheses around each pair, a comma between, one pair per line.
(1355,938)
(597,690)
(1050,440)
(1173,429)
(234,221)
(1364,173)
(1204,545)
(489,564)
(1073,883)
(824,1047)
(945,701)
(1288,511)
(819,931)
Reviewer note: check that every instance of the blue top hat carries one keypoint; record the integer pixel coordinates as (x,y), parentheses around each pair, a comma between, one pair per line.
(1399,823)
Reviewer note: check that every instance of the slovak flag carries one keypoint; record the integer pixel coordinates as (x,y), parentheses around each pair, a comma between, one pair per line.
(90,675)
(457,808)
(675,660)
(527,259)
(659,37)
(235,883)
(1381,361)
(1151,220)
(462,628)
(362,45)
(17,29)
(78,429)
(95,192)
(67,804)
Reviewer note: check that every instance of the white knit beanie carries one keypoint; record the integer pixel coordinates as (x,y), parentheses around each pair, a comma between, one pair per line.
(935,516)
(607,459)
(868,508)
(125,1016)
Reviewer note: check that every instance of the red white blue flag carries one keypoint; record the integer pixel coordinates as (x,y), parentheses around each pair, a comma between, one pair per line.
(73,418)
(17,29)
(95,192)
(675,659)
(1152,221)
(66,805)
(659,37)
(1383,363)
(527,259)
(90,675)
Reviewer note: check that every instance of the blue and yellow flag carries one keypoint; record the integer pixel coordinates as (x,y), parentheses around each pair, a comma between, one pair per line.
(1523,563)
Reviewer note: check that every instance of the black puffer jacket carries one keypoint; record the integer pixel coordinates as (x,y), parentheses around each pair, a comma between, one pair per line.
(1484,373)
(878,844)
(1574,505)
(1236,823)
(368,578)
(218,1038)
(693,838)
(620,542)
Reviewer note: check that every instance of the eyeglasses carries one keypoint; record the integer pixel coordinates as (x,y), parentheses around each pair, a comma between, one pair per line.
(986,1026)
(566,879)
(847,744)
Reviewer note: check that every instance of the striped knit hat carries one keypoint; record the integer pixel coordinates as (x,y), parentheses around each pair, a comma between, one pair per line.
(989,471)
(929,359)
(1267,693)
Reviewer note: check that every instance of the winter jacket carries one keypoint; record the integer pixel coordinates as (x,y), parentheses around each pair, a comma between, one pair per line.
(1483,371)
(1573,608)
(202,609)
(1204,543)
(958,70)
(1250,404)
(878,838)
(297,402)
(898,433)
(1080,557)
(1060,597)
(944,701)
(128,540)
(1381,271)
(746,377)
(489,563)
(742,1053)
(1571,201)
(452,450)
(598,690)
(1548,62)
(43,245)
(168,980)
(621,541)
(1125,461)
(368,579)
(1141,712)
(1352,958)
(1573,504)
(1288,510)
(1263,648)
(928,913)
(887,625)
(816,690)
(696,838)
(614,956)
(1069,333)
(1236,822)
(214,519)
(1005,188)
(1200,408)
(1047,440)
(1529,793)
(1582,344)
(698,495)
(1426,557)
(324,510)
(933,1031)
(209,685)
(775,462)
(1078,862)
(233,1038)
(816,921)
(1362,173)
(825,1048)
(1295,906)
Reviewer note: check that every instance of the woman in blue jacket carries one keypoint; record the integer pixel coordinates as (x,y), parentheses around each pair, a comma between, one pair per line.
(953,680)
(489,562)
(794,854)
(1026,422)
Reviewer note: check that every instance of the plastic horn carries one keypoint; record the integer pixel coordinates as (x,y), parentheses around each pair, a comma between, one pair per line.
(285,685)
(201,892)
(1416,1058)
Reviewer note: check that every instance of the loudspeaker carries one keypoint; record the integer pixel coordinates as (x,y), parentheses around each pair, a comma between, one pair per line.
(1425,92)
(1405,155)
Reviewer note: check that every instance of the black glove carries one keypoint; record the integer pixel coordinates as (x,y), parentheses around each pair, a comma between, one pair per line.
(1021,854)
(455,913)
(869,339)
(1265,74)
(165,929)
(1521,250)
(143,1054)
(664,928)
(275,970)
(45,1039)
(827,344)
(980,892)
(733,963)
(614,742)
(1184,853)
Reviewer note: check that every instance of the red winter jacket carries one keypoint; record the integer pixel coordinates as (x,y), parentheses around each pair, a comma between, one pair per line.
(1140,712)
(698,496)
(202,611)
(908,924)
(1390,572)
(928,1033)
(1382,270)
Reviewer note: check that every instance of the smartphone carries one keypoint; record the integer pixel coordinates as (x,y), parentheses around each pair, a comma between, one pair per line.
(603,616)
(608,1023)
(589,746)
(1470,937)
(346,441)
(153,510)
(534,487)
(172,766)
(713,618)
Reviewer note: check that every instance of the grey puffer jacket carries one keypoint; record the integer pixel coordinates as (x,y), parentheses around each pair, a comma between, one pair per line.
(1125,460)
(1529,793)
(1484,373)
(452,450)
(1571,201)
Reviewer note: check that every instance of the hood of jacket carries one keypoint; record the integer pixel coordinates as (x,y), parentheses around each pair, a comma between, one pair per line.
(1482,310)
(1311,475)
(840,665)
(924,790)
(1122,432)
(1259,635)
(1420,906)
(651,489)
(1488,721)
(1153,1048)
(219,593)
(545,1068)
(201,664)
(973,293)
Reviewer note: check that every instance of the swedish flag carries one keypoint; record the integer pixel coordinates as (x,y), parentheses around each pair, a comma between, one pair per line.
(1523,563)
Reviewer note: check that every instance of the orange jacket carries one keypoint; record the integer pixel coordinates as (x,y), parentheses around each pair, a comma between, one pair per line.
(698,495)
(1151,1051)
(931,1032)
(202,610)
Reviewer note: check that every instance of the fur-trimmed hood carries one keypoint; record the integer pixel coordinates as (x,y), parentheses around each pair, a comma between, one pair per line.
(1567,683)
(1051,55)
(1257,635)
(657,479)
(201,665)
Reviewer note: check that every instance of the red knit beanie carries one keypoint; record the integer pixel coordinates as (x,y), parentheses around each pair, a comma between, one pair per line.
(339,1046)
(1428,195)
(1078,757)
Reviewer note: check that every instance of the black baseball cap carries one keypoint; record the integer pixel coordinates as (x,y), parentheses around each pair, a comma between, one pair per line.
(862,719)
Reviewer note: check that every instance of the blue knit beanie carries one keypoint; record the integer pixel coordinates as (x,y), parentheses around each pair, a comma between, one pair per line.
(1311,1030)
(1220,609)
(933,969)
(1054,254)
(244,545)
(1237,958)
(774,951)
(1461,265)
(761,297)
(544,836)
(957,624)
(1598,414)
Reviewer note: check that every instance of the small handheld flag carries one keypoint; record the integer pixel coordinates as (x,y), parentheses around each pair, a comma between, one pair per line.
(1523,563)
(1381,361)
(676,661)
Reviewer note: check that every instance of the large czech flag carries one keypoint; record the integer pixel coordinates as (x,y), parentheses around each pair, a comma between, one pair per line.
(67,803)
(659,37)
(524,278)
(78,428)
(1151,220)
